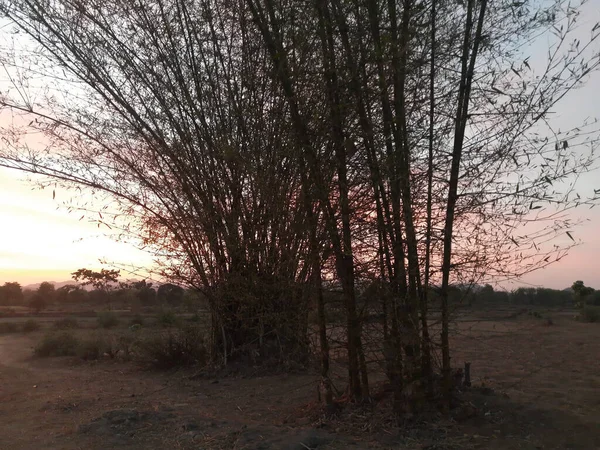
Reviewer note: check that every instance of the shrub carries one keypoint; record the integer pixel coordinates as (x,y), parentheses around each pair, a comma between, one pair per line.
(91,349)
(176,348)
(167,319)
(137,320)
(195,318)
(125,345)
(112,346)
(9,327)
(68,323)
(31,325)
(57,344)
(590,314)
(107,319)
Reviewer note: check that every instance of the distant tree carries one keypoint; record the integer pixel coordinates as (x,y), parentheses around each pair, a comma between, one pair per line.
(501,297)
(70,293)
(38,302)
(28,296)
(194,300)
(126,295)
(581,292)
(487,291)
(594,298)
(171,294)
(523,296)
(47,292)
(11,294)
(484,294)
(540,296)
(102,281)
(145,293)
(100,297)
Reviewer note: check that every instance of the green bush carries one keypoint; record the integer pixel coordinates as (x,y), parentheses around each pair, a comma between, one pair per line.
(9,327)
(107,319)
(175,348)
(31,325)
(57,344)
(590,314)
(68,323)
(167,319)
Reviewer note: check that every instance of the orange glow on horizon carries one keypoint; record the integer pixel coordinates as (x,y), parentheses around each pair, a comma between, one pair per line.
(39,242)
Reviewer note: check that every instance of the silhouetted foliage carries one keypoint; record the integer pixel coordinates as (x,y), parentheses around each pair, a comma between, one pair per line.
(103,282)
(170,294)
(11,294)
(145,293)
(47,291)
(38,302)
(71,294)
(581,292)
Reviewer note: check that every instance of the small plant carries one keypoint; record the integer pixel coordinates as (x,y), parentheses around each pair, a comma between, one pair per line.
(68,323)
(57,344)
(107,319)
(181,347)
(167,319)
(590,314)
(31,325)
(125,344)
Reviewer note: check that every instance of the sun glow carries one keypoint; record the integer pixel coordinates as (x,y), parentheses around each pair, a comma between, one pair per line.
(40,241)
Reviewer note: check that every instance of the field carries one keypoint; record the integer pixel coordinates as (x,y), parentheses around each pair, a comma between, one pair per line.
(535,386)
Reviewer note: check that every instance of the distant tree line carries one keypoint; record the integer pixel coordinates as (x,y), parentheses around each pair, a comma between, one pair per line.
(136,293)
(525,296)
(146,294)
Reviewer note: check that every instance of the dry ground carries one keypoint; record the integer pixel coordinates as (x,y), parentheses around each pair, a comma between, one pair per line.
(545,381)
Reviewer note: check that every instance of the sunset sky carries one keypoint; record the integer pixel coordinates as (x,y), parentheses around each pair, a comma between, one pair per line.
(41,242)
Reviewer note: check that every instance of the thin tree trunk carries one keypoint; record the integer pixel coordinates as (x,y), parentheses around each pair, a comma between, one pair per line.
(345,261)
(323,342)
(468,68)
(427,367)
(402,173)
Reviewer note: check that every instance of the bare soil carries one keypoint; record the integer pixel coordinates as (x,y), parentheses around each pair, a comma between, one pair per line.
(536,386)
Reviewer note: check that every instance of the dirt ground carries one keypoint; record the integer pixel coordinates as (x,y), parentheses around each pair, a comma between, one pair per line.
(537,387)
